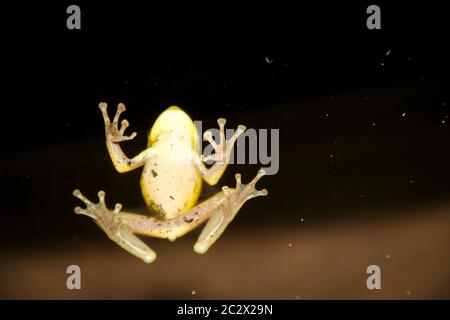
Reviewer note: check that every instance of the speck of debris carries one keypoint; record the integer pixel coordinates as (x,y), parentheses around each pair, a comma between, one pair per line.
(269,60)
(403,114)
(154,173)
(194,292)
(387,256)
(171,197)
(188,220)
(290,245)
(388,52)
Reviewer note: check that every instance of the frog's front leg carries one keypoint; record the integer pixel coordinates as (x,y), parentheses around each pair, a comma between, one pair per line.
(221,157)
(111,223)
(114,136)
(233,199)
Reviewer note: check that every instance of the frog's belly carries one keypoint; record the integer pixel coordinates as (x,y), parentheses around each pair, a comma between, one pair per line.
(170,189)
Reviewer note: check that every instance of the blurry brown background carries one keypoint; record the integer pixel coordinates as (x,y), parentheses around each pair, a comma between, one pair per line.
(364,154)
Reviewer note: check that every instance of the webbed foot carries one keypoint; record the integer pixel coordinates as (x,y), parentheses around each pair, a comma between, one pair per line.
(234,200)
(112,129)
(110,222)
(222,150)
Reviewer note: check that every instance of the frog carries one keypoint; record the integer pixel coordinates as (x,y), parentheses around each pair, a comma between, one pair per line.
(171,183)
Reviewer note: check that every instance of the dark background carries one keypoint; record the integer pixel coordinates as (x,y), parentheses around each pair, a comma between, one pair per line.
(364,146)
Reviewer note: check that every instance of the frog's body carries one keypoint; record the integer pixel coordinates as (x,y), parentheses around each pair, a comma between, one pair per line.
(171,183)
(171,186)
(170,190)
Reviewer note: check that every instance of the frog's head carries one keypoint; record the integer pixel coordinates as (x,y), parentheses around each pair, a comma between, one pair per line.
(174,123)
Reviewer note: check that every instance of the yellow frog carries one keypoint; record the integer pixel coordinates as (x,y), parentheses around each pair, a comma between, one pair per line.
(171,184)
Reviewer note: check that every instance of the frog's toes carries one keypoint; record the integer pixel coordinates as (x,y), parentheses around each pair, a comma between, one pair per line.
(118,135)
(230,142)
(222,150)
(240,129)
(111,223)
(208,136)
(77,193)
(237,176)
(212,157)
(113,131)
(103,107)
(243,192)
(117,208)
(248,191)
(94,210)
(120,108)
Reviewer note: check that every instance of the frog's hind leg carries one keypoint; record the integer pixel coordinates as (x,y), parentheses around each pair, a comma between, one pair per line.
(234,200)
(111,222)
